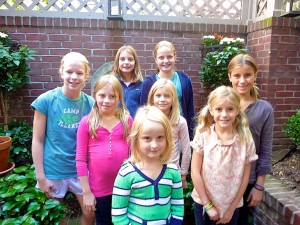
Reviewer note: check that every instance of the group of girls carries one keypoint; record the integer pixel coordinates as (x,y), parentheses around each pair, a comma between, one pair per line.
(113,150)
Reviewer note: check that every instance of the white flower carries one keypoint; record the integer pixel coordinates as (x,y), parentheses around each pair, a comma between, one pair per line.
(209,37)
(226,40)
(240,39)
(2,35)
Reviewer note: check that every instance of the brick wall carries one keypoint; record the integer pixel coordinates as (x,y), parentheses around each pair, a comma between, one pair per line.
(274,42)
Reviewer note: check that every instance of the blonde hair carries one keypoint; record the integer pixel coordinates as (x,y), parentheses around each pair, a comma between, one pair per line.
(163,44)
(75,57)
(121,112)
(150,113)
(165,83)
(137,75)
(217,96)
(245,59)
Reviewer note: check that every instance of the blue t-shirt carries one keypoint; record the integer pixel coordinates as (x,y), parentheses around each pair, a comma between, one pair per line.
(63,116)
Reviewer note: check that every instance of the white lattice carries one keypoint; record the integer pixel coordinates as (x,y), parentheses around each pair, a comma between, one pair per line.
(232,11)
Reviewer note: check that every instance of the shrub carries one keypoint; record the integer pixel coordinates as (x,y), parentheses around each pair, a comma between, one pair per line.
(22,203)
(214,72)
(21,134)
(292,129)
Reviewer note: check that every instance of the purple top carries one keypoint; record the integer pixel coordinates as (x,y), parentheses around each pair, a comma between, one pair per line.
(261,121)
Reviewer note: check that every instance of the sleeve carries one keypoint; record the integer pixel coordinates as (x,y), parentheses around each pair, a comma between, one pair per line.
(185,146)
(251,152)
(82,147)
(198,142)
(120,199)
(42,102)
(147,84)
(190,108)
(177,204)
(263,165)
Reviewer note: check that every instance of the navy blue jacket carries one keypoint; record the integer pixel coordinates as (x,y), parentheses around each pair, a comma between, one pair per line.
(187,98)
(131,96)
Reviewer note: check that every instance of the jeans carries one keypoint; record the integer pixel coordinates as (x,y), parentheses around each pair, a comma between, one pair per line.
(103,210)
(246,213)
(205,220)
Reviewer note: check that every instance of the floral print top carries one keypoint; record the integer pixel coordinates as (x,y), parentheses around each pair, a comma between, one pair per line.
(222,167)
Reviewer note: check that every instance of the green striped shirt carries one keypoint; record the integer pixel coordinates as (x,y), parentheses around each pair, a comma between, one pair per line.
(137,199)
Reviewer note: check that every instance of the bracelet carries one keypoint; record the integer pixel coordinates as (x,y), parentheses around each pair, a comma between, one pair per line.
(259,186)
(207,207)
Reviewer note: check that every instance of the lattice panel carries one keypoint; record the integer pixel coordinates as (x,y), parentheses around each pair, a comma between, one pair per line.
(221,9)
(80,6)
(162,10)
(261,8)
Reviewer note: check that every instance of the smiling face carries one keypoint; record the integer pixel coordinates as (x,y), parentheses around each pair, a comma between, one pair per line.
(165,59)
(152,140)
(74,76)
(107,100)
(162,99)
(126,64)
(224,114)
(242,79)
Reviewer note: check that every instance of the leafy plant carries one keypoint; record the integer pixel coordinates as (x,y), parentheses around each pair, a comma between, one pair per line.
(22,203)
(292,129)
(21,133)
(189,202)
(13,69)
(214,71)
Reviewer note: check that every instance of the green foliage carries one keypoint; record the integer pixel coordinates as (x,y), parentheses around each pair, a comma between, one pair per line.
(214,71)
(188,201)
(13,65)
(292,129)
(21,134)
(22,203)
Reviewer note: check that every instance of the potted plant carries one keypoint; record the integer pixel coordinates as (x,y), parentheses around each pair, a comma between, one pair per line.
(214,71)
(13,70)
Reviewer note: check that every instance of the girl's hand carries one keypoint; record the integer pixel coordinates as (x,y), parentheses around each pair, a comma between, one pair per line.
(255,197)
(226,218)
(89,201)
(213,214)
(47,187)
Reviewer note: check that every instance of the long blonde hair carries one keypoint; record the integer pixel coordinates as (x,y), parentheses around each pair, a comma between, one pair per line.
(165,83)
(121,112)
(163,44)
(150,113)
(245,59)
(137,75)
(75,56)
(217,96)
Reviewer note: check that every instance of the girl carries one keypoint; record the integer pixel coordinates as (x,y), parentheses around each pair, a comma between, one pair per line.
(223,149)
(147,189)
(165,57)
(102,147)
(242,72)
(56,117)
(163,95)
(127,69)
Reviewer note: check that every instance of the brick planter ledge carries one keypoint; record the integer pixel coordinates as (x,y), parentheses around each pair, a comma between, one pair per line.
(280,206)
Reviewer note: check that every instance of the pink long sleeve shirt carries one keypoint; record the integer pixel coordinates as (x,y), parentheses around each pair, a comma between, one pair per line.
(101,158)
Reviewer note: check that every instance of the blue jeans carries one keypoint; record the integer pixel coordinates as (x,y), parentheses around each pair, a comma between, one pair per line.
(246,212)
(103,210)
(205,220)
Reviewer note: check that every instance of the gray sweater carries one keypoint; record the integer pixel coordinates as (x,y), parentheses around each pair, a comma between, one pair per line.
(261,120)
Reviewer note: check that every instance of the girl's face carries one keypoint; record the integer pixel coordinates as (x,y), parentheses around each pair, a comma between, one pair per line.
(242,79)
(73,75)
(165,59)
(126,63)
(224,114)
(152,140)
(162,99)
(107,100)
